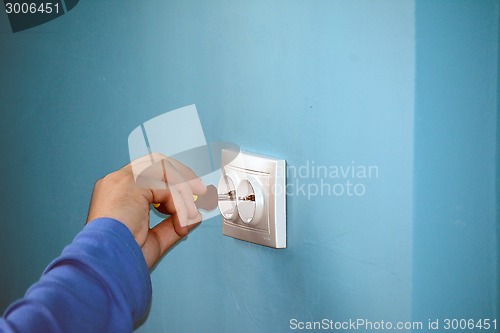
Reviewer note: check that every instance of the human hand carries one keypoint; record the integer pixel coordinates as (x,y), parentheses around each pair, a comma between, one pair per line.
(126,195)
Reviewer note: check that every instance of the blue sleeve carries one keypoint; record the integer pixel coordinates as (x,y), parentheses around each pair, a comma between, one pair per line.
(100,283)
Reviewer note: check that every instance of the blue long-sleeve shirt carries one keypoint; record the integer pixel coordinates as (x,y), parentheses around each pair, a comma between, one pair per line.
(100,283)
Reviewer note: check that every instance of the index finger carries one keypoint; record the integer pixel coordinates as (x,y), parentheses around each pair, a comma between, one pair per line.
(189,176)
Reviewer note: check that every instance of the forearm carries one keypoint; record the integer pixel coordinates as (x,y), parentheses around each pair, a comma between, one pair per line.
(100,283)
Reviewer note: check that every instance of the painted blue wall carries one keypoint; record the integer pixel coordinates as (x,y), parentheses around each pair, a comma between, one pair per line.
(498,169)
(455,245)
(324,83)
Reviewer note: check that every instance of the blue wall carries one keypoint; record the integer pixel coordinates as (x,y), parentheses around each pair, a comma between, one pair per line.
(408,88)
(455,246)
(498,169)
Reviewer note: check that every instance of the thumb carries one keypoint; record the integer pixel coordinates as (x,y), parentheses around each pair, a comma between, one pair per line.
(161,238)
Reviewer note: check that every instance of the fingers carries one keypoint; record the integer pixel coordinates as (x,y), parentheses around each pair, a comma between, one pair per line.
(176,182)
(159,166)
(172,185)
(143,164)
(178,208)
(172,201)
(151,184)
(193,180)
(161,238)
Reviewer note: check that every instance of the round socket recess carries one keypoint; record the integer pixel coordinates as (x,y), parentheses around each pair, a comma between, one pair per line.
(227,206)
(250,201)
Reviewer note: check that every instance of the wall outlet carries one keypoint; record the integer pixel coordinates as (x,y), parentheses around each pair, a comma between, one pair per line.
(253,192)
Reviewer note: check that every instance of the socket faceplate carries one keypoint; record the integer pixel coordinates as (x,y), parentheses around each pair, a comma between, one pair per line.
(263,220)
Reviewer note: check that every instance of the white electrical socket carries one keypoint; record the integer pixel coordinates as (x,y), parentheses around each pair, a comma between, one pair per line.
(256,212)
